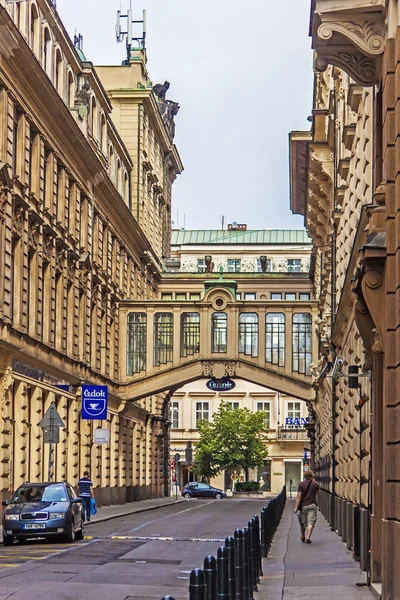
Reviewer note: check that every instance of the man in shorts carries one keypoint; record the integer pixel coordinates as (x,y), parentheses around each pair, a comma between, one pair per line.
(307,499)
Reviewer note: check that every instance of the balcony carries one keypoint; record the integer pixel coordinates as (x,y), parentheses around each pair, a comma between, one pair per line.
(292,433)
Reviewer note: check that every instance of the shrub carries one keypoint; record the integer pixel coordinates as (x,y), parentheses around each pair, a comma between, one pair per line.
(247,486)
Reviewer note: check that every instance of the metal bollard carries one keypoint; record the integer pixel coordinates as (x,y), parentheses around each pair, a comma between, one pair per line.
(197,585)
(210,575)
(223,573)
(250,555)
(230,547)
(245,559)
(253,552)
(239,542)
(167,598)
(258,541)
(263,542)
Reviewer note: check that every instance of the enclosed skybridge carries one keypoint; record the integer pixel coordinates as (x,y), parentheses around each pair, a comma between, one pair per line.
(172,342)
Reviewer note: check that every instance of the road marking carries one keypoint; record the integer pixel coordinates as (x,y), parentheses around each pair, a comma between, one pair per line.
(152,539)
(174,515)
(182,577)
(5,566)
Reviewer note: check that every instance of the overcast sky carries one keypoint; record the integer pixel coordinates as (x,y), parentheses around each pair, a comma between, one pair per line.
(242,73)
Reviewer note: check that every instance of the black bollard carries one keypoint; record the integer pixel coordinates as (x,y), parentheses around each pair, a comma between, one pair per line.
(258,544)
(230,547)
(210,575)
(197,585)
(263,542)
(245,559)
(253,553)
(239,542)
(167,598)
(223,573)
(250,559)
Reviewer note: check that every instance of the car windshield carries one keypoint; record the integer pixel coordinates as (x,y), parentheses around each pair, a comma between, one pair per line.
(39,493)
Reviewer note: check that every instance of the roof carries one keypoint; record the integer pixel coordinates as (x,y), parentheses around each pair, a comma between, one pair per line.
(254,236)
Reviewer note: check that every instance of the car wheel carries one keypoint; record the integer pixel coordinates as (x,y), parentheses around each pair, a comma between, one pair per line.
(69,535)
(218,496)
(187,496)
(8,540)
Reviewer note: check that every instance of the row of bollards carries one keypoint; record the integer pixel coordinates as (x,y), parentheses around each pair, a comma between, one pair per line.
(235,573)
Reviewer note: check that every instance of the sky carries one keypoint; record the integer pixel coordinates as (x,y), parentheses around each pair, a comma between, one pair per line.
(241,71)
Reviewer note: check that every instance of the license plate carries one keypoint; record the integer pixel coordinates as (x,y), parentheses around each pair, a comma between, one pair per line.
(35,526)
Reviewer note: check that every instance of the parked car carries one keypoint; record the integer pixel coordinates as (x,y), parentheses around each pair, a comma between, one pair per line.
(43,510)
(195,489)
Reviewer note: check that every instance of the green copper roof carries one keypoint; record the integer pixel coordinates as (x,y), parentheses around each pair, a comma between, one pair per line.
(254,236)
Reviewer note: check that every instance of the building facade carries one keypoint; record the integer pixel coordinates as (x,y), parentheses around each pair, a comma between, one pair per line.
(345,176)
(72,246)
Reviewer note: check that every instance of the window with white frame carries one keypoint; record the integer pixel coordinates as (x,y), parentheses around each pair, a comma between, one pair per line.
(174,414)
(234,265)
(202,411)
(233,405)
(294,265)
(265,407)
(201,265)
(302,343)
(293,413)
(304,296)
(250,296)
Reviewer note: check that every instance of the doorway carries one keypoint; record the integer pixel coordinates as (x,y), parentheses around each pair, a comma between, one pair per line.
(292,477)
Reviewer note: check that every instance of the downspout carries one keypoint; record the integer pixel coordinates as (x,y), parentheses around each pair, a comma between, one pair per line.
(138,162)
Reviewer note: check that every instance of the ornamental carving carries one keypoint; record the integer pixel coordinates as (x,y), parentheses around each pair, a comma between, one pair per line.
(17,222)
(33,235)
(368,36)
(220,369)
(360,67)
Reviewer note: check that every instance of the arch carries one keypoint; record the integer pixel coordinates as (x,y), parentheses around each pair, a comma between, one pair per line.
(126,187)
(46,58)
(71,89)
(103,132)
(111,161)
(94,117)
(59,73)
(34,29)
(119,178)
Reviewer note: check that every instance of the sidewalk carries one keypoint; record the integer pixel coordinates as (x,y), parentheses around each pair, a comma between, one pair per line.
(323,569)
(121,510)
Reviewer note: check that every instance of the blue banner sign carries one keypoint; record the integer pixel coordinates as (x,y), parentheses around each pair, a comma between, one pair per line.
(296,422)
(94,402)
(220,385)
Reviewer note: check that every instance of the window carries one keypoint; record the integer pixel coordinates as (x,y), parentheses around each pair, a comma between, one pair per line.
(304,296)
(47,52)
(290,296)
(250,296)
(294,265)
(59,73)
(174,414)
(166,296)
(190,334)
(275,296)
(202,411)
(195,296)
(201,265)
(34,29)
(137,334)
(293,412)
(71,90)
(275,339)
(103,133)
(93,120)
(265,407)
(234,265)
(248,334)
(219,332)
(302,343)
(238,296)
(163,338)
(180,296)
(268,267)
(233,405)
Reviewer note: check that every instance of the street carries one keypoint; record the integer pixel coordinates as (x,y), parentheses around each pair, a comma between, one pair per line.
(144,555)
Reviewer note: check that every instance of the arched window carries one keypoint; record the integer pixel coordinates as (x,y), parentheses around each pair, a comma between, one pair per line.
(59,80)
(302,343)
(47,52)
(275,339)
(111,164)
(103,133)
(94,117)
(119,179)
(248,334)
(126,187)
(136,343)
(219,332)
(34,29)
(163,338)
(71,90)
(190,334)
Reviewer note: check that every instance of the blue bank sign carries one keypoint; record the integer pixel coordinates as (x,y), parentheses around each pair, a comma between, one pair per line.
(94,402)
(220,385)
(296,422)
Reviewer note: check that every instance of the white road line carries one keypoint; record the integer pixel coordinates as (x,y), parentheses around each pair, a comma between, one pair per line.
(171,516)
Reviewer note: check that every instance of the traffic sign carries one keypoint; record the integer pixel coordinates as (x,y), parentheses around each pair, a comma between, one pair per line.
(51,424)
(94,402)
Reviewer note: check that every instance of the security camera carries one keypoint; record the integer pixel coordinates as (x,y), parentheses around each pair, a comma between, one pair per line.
(337,367)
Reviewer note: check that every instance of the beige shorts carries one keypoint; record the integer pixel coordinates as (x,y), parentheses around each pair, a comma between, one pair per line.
(308,515)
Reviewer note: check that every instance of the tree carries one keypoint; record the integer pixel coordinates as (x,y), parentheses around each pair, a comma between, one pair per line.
(235,438)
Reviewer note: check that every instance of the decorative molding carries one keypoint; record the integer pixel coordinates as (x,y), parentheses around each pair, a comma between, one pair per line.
(361,68)
(368,36)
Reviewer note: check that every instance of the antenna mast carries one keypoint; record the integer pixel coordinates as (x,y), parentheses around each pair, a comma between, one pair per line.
(129,31)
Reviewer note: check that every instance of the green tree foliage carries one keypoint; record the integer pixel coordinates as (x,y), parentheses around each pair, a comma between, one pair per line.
(235,438)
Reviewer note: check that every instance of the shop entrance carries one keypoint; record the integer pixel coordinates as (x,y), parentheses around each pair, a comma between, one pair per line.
(292,477)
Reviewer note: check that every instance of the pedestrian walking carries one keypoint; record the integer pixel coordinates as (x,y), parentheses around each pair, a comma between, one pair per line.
(85,486)
(306,505)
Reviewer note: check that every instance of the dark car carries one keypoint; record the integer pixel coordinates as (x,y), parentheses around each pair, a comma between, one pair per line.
(43,510)
(202,490)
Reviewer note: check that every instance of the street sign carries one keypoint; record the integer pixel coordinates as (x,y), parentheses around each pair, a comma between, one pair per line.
(51,424)
(94,402)
(101,436)
(177,457)
(220,385)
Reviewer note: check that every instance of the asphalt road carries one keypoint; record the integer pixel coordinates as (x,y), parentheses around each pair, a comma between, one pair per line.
(139,556)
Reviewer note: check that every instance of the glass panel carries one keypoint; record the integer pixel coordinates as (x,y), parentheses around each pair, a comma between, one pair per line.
(304,296)
(275,339)
(202,411)
(163,338)
(293,265)
(276,296)
(190,334)
(136,351)
(174,414)
(234,265)
(250,296)
(290,296)
(219,332)
(265,407)
(302,343)
(201,265)
(248,334)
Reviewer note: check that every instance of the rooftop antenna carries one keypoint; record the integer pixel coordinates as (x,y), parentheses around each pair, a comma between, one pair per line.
(129,31)
(223,217)
(78,41)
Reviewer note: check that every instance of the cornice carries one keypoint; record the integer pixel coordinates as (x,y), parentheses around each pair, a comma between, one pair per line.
(350,35)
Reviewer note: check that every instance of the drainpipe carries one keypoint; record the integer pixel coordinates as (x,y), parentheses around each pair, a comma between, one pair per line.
(139,161)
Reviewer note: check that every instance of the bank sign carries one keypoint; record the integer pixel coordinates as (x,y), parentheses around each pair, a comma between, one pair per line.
(94,402)
(296,422)
(220,385)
